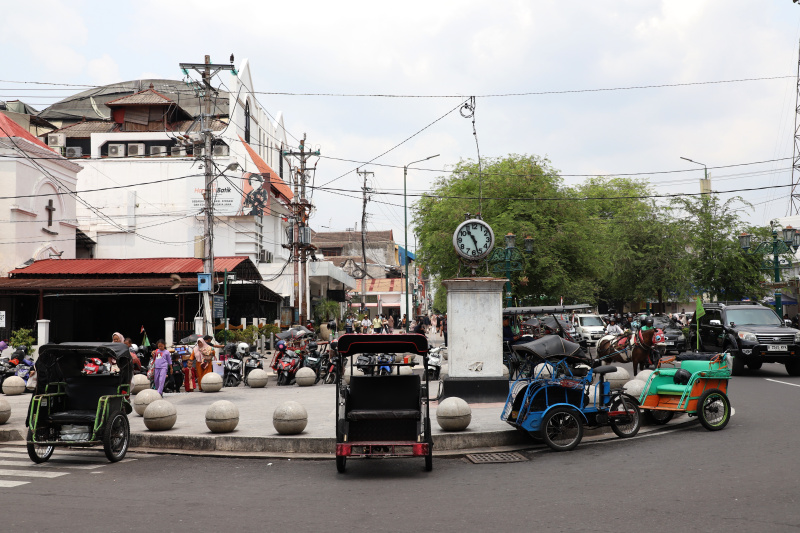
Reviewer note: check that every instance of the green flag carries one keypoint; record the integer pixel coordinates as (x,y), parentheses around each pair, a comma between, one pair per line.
(700,311)
(697,314)
(145,342)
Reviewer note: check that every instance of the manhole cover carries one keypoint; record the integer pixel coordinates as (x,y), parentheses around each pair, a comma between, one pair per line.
(498,457)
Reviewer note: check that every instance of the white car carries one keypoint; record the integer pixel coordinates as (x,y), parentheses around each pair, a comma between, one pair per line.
(589,328)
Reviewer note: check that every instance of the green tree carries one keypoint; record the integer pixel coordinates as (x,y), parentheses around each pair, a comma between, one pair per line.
(525,196)
(440,299)
(325,310)
(717,266)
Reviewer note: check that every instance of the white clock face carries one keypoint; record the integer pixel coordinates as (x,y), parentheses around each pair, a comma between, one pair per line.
(473,239)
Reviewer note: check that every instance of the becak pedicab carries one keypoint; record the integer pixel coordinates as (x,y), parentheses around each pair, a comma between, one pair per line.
(76,407)
(382,415)
(698,388)
(558,399)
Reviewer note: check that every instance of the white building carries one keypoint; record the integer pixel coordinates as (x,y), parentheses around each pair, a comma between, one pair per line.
(39,222)
(143,172)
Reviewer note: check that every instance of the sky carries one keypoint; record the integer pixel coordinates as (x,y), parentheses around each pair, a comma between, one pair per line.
(461,48)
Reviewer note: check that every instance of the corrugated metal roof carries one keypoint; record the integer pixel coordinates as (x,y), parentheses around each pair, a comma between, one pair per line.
(83,103)
(84,129)
(331,237)
(126,267)
(94,284)
(146,97)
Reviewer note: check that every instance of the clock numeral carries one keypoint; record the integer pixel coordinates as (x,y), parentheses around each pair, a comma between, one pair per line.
(461,246)
(474,252)
(459,240)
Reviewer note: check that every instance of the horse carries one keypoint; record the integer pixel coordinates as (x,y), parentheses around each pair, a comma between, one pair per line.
(642,345)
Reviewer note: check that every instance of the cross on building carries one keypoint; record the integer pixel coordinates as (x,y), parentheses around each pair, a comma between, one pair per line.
(50,210)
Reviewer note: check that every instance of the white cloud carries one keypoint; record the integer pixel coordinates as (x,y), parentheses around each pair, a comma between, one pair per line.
(103,70)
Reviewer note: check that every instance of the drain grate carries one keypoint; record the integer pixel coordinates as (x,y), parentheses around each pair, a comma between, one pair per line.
(498,457)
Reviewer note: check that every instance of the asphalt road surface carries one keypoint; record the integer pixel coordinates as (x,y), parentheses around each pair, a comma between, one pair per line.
(743,478)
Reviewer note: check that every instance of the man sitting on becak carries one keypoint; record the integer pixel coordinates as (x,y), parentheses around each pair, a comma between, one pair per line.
(614,334)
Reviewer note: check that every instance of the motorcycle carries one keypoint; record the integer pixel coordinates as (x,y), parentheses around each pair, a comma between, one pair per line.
(313,360)
(287,366)
(232,371)
(435,362)
(370,364)
(253,361)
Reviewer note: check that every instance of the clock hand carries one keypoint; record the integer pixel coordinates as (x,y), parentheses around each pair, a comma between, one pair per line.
(473,239)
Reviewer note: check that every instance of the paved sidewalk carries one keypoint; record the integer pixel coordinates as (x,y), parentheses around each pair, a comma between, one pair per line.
(255,434)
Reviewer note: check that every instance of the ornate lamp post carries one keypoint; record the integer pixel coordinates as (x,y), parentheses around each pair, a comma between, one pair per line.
(509,259)
(789,242)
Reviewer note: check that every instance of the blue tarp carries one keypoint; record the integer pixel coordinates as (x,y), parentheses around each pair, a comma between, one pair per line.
(402,253)
(785,300)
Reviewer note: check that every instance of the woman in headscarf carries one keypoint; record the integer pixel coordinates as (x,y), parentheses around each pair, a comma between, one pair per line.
(203,357)
(117,337)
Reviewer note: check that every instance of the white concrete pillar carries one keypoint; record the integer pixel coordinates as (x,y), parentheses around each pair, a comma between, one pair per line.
(244,322)
(475,327)
(169,331)
(198,324)
(43,331)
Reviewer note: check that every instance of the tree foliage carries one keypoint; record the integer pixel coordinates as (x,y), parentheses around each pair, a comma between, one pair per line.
(601,240)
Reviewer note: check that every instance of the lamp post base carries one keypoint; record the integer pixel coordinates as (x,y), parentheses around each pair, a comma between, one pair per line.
(476,390)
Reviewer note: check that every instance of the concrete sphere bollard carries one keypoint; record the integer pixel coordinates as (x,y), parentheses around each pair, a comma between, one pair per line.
(13,386)
(643,375)
(506,372)
(542,371)
(143,399)
(619,378)
(453,414)
(211,382)
(5,410)
(160,415)
(222,416)
(305,377)
(289,418)
(139,383)
(404,371)
(257,379)
(634,387)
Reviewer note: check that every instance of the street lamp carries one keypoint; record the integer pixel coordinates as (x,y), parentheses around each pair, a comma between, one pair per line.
(789,242)
(405,222)
(510,259)
(705,169)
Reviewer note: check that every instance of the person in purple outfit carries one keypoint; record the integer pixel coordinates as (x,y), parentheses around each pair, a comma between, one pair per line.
(162,364)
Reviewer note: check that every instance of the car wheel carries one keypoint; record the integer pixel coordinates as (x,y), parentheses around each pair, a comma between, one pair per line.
(754,365)
(562,429)
(738,361)
(341,464)
(714,409)
(793,367)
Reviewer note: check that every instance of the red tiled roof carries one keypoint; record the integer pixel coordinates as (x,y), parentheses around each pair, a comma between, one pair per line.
(9,128)
(264,168)
(129,267)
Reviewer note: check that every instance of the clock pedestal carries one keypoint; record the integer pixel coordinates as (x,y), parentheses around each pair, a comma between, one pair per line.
(475,340)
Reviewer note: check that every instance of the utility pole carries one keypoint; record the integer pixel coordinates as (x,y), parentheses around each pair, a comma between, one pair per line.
(302,233)
(207,70)
(794,197)
(364,190)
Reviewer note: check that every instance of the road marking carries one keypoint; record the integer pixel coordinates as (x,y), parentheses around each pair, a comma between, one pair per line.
(30,473)
(9,484)
(56,456)
(7,462)
(784,382)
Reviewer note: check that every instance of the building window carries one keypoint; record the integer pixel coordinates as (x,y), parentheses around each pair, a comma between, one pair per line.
(247,122)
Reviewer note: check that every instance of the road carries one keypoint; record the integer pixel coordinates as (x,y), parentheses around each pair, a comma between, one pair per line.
(744,478)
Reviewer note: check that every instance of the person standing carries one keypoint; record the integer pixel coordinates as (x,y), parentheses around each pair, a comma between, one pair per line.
(162,365)
(365,324)
(405,322)
(348,324)
(376,324)
(189,371)
(427,320)
(444,328)
(391,323)
(203,357)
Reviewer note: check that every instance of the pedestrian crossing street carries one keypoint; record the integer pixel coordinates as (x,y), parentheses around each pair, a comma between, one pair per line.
(17,469)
